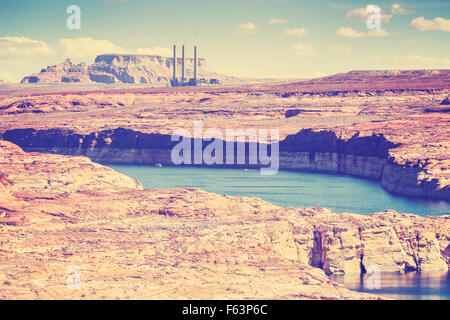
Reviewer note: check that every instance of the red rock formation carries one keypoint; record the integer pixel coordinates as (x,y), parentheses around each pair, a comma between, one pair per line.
(63,72)
(121,68)
(131,243)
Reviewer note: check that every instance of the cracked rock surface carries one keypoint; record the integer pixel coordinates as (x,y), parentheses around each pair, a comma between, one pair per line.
(62,211)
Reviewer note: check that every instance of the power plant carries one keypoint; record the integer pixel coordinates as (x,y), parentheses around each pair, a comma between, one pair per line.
(183,81)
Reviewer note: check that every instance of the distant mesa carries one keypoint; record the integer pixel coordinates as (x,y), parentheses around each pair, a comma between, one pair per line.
(120,68)
(390,74)
(370,82)
(63,72)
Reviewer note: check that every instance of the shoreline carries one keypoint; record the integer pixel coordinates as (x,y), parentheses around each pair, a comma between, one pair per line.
(63,203)
(313,151)
(332,175)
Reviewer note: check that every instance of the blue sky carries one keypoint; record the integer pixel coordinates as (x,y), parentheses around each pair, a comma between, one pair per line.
(305,39)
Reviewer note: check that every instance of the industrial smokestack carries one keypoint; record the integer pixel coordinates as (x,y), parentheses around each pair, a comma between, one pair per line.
(195,64)
(182,63)
(174,63)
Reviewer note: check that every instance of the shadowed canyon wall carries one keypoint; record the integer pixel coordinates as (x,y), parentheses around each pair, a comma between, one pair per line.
(321,151)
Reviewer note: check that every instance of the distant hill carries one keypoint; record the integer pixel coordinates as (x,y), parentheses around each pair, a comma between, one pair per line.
(390,74)
(371,80)
(122,68)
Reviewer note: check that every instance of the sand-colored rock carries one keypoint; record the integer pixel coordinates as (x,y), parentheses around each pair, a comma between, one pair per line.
(122,68)
(61,211)
(131,243)
(64,72)
(402,108)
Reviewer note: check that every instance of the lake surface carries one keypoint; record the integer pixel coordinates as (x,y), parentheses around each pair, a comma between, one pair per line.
(300,189)
(287,188)
(409,286)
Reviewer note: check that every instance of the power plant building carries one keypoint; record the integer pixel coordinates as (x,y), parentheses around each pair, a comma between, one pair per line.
(183,81)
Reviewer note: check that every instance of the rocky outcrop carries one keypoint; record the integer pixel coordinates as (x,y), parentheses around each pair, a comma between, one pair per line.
(370,83)
(57,103)
(63,72)
(389,241)
(323,151)
(143,69)
(121,68)
(67,211)
(157,244)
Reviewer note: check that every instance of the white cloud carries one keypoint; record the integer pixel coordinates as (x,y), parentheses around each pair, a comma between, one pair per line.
(155,51)
(351,33)
(22,47)
(398,9)
(277,21)
(377,33)
(297,32)
(21,56)
(415,61)
(438,24)
(86,49)
(302,49)
(247,28)
(361,15)
(341,49)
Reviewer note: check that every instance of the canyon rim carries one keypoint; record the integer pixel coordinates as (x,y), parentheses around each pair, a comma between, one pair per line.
(364,101)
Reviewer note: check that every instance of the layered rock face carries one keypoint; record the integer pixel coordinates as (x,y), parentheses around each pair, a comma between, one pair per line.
(63,72)
(143,69)
(58,212)
(122,68)
(323,151)
(375,81)
(390,241)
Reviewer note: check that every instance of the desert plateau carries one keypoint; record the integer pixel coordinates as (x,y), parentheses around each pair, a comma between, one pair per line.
(288,167)
(63,210)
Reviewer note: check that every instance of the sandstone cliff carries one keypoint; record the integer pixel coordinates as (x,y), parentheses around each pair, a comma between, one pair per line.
(131,243)
(367,157)
(144,69)
(122,68)
(63,72)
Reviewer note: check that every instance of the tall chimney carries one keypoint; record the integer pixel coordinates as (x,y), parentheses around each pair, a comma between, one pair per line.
(195,64)
(182,64)
(174,63)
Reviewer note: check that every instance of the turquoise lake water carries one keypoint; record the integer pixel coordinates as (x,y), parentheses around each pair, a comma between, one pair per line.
(300,189)
(287,188)
(409,286)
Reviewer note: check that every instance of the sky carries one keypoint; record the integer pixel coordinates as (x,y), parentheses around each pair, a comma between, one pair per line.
(250,38)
